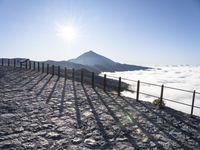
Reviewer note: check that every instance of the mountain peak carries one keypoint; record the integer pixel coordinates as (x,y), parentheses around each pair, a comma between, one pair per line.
(91,58)
(91,53)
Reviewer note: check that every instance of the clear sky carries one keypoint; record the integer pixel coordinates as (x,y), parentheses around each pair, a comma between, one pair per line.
(129,31)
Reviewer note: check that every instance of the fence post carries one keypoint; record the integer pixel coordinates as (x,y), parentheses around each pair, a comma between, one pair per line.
(47,68)
(92,79)
(14,63)
(138,90)
(119,86)
(161,95)
(30,64)
(65,73)
(82,76)
(38,66)
(73,74)
(192,107)
(42,67)
(52,70)
(104,83)
(58,71)
(34,65)
(26,64)
(8,62)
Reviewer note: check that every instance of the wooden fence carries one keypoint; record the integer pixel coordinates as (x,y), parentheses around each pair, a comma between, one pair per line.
(89,77)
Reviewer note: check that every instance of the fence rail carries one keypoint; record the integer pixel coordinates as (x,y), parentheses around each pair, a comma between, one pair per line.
(162,87)
(96,80)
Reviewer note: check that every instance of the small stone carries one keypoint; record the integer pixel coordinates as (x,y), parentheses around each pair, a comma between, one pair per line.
(47,126)
(43,141)
(7,116)
(152,144)
(158,136)
(54,136)
(138,131)
(77,140)
(145,139)
(29,145)
(90,143)
(121,139)
(41,133)
(87,114)
(68,103)
(20,129)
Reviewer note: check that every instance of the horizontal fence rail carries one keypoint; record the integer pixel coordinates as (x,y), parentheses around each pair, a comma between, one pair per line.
(161,97)
(106,82)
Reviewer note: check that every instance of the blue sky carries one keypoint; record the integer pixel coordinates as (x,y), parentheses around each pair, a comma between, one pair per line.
(129,31)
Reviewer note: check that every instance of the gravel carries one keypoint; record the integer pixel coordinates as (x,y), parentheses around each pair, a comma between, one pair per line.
(38,112)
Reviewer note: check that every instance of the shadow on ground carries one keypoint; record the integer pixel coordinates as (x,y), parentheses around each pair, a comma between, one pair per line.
(51,112)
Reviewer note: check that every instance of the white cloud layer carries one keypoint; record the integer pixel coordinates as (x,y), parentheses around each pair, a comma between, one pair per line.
(184,77)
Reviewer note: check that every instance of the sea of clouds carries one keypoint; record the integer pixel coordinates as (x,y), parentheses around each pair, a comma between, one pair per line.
(185,77)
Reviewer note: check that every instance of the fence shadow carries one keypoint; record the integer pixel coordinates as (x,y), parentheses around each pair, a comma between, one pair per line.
(27,76)
(38,81)
(118,122)
(164,118)
(44,85)
(29,81)
(98,121)
(78,116)
(192,122)
(61,107)
(16,74)
(157,125)
(52,90)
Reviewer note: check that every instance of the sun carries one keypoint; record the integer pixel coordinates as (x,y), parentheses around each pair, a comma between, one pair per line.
(67,32)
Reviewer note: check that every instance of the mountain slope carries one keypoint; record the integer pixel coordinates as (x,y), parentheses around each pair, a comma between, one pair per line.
(71,65)
(91,59)
(103,64)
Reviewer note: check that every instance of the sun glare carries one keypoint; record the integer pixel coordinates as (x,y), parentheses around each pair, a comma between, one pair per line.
(68,32)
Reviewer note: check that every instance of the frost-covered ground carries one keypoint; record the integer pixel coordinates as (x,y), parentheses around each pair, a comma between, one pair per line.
(183,76)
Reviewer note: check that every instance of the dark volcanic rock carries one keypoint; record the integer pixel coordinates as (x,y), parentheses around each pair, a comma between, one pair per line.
(80,117)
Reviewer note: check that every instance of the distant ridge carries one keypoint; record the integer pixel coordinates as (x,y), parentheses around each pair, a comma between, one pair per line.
(103,64)
(92,62)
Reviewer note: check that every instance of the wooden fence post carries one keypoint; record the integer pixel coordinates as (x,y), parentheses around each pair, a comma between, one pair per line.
(192,107)
(73,74)
(14,63)
(138,90)
(26,64)
(47,68)
(104,83)
(30,64)
(38,66)
(42,67)
(34,65)
(161,95)
(119,87)
(92,79)
(82,73)
(58,71)
(52,70)
(65,73)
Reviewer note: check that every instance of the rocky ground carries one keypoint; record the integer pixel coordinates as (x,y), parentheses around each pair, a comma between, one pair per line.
(40,111)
